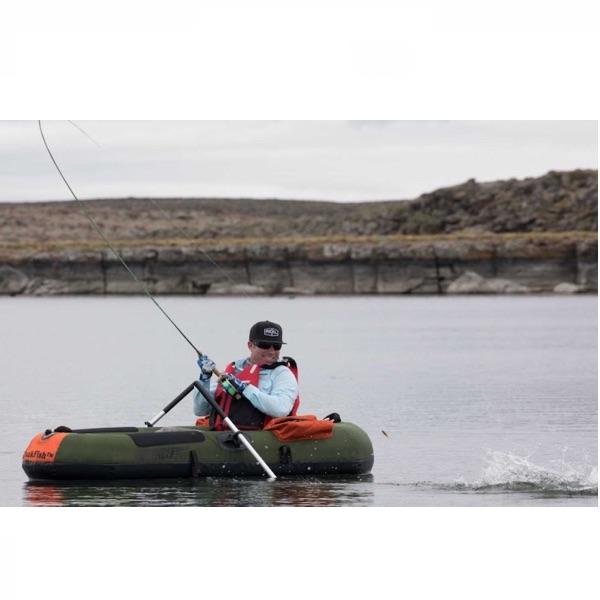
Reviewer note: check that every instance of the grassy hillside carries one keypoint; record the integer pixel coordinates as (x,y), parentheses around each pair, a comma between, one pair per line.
(556,202)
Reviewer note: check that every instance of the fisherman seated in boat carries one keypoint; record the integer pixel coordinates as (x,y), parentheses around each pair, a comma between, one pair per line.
(267,386)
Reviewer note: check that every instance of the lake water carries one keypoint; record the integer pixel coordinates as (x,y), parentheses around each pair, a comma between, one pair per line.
(483,400)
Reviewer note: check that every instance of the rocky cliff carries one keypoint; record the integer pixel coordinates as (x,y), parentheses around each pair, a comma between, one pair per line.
(515,236)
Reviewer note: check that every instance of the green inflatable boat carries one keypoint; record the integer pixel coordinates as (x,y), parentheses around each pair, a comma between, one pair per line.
(157,452)
(296,446)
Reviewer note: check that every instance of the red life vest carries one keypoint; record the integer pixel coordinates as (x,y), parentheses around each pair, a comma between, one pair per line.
(241,411)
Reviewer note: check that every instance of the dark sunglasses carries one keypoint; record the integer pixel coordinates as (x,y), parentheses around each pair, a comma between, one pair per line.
(267,345)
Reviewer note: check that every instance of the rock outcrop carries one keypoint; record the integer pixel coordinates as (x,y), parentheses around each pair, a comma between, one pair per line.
(12,281)
(567,288)
(525,263)
(472,283)
(537,235)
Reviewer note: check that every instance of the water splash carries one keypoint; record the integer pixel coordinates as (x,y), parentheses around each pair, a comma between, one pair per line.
(509,472)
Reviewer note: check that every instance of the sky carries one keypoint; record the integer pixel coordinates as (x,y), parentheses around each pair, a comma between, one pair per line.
(310,160)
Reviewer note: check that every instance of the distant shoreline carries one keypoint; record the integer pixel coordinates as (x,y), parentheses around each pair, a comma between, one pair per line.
(565,263)
(530,236)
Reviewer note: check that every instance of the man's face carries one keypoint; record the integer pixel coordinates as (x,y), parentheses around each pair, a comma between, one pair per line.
(262,356)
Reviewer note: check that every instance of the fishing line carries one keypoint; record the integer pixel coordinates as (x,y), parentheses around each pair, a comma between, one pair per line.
(186,236)
(85,133)
(117,254)
(178,229)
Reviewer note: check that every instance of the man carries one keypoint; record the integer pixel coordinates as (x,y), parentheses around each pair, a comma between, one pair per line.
(268,387)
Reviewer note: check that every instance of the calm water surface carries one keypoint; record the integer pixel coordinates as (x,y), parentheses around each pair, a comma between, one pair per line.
(483,400)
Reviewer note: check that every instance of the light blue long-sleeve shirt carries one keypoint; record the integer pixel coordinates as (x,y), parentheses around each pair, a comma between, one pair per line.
(277,389)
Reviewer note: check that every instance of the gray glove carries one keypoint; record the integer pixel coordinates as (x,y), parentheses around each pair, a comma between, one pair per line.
(206,367)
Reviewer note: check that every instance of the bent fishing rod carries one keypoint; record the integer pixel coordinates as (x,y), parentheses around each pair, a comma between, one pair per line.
(113,249)
(227,384)
(99,231)
(224,382)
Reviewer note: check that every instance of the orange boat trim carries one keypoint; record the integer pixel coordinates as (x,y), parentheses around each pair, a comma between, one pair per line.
(43,448)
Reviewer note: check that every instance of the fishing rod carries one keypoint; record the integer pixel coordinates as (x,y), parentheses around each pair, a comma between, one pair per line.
(120,257)
(229,387)
(237,434)
(107,242)
(118,254)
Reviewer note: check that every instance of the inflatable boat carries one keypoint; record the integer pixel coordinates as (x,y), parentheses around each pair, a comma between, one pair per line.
(190,451)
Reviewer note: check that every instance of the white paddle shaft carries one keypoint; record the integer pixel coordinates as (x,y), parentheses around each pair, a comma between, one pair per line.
(249,447)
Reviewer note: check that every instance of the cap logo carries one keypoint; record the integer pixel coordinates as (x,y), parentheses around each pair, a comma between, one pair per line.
(271,332)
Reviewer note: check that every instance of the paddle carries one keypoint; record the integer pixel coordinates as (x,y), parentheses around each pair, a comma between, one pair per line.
(236,432)
(225,383)
(169,406)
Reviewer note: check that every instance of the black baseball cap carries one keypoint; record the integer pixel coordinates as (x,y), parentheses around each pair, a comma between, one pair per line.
(266,331)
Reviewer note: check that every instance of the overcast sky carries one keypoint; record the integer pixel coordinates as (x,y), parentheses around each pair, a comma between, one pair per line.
(315,160)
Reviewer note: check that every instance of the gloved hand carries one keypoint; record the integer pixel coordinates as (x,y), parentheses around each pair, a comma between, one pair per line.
(206,367)
(238,384)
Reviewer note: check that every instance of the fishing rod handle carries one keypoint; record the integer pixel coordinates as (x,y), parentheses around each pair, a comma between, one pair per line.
(223,379)
(215,370)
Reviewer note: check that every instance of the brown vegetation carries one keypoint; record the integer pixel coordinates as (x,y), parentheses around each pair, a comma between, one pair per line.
(558,202)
